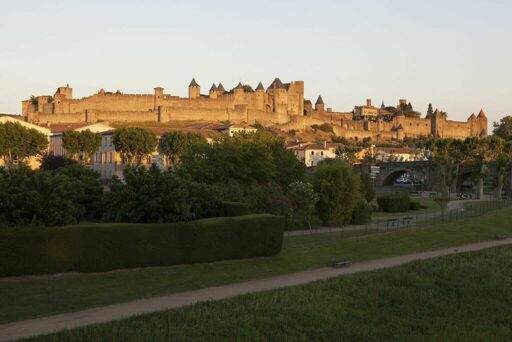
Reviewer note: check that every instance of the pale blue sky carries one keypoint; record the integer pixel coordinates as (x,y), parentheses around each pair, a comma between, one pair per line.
(455,54)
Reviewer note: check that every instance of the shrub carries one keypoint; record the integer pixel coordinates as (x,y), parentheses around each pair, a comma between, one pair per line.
(362,213)
(338,188)
(235,209)
(147,196)
(414,205)
(104,247)
(41,197)
(367,187)
(303,199)
(394,203)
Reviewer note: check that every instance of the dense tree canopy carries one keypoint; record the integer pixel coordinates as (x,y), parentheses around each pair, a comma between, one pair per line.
(42,197)
(81,145)
(246,158)
(176,143)
(503,129)
(134,144)
(18,143)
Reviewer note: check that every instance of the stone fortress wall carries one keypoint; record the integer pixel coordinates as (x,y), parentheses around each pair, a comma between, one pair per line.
(281,105)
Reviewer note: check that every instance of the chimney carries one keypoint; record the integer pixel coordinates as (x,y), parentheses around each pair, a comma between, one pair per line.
(368,102)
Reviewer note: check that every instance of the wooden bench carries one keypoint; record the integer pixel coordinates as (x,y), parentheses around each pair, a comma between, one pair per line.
(391,222)
(340,263)
(407,220)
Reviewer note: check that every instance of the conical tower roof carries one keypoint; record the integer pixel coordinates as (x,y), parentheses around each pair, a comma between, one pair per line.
(193,83)
(277,84)
(260,86)
(239,86)
(482,115)
(319,100)
(213,88)
(221,88)
(472,116)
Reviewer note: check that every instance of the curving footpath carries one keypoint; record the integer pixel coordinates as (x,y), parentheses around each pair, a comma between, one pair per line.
(46,325)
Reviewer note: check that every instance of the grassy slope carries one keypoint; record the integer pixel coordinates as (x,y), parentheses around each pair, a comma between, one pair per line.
(23,299)
(462,297)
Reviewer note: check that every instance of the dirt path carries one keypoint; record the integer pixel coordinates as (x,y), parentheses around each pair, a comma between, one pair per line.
(45,325)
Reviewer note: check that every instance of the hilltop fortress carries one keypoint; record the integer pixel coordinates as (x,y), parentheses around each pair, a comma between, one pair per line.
(281,106)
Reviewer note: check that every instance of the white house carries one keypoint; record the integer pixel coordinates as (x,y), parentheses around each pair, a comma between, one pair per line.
(313,153)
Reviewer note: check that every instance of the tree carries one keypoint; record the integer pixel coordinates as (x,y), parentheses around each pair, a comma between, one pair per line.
(338,188)
(134,143)
(503,129)
(479,152)
(175,144)
(503,160)
(150,195)
(447,154)
(18,143)
(51,162)
(82,145)
(40,197)
(303,199)
(348,152)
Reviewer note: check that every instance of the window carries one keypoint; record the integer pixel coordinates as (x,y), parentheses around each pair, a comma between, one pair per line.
(312,153)
(322,153)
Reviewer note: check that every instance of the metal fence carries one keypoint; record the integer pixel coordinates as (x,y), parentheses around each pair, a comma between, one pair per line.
(467,209)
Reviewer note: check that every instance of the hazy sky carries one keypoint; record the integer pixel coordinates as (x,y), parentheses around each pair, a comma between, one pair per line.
(455,54)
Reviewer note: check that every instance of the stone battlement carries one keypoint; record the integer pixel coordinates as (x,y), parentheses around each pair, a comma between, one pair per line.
(281,105)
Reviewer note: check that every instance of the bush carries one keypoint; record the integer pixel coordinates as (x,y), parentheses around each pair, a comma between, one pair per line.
(235,209)
(338,188)
(58,197)
(414,205)
(150,196)
(394,203)
(105,247)
(367,187)
(362,213)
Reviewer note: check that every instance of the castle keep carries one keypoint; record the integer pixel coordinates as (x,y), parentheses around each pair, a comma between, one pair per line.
(281,106)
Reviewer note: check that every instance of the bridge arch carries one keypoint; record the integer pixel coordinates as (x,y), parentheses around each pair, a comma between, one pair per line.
(390,178)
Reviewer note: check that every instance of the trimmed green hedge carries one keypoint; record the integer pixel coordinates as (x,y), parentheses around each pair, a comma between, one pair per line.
(105,247)
(394,203)
(235,209)
(414,205)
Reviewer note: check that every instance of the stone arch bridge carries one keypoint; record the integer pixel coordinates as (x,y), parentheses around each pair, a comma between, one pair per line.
(428,174)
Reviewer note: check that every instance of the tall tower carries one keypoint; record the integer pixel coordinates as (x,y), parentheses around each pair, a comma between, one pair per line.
(159,95)
(260,97)
(319,105)
(239,93)
(482,119)
(213,91)
(194,90)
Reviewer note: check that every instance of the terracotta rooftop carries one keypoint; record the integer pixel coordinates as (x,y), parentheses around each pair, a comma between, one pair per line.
(482,114)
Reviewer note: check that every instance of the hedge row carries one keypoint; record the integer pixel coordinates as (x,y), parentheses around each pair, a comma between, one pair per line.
(394,203)
(105,247)
(235,209)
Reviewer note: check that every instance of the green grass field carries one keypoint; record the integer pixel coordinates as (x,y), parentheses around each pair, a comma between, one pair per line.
(35,297)
(463,297)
